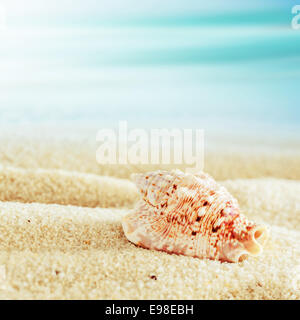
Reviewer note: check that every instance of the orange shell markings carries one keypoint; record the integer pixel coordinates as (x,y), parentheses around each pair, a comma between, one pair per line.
(191,215)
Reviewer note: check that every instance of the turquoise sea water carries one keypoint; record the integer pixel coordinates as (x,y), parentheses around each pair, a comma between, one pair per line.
(222,68)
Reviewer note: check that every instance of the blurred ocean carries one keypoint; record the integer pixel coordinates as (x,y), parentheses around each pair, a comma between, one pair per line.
(229,67)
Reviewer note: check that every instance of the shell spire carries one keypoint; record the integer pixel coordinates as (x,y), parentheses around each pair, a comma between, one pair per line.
(191,215)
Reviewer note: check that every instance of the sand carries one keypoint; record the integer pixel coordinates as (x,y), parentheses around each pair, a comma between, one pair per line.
(78,154)
(65,187)
(61,236)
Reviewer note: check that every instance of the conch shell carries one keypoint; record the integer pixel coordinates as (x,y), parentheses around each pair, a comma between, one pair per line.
(191,215)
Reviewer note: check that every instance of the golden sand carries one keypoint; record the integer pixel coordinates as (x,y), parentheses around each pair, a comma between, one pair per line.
(61,235)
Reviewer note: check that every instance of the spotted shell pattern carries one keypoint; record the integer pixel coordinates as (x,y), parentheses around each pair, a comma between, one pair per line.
(191,215)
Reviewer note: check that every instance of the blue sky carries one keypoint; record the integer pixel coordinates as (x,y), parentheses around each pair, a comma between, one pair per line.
(31,10)
(227,64)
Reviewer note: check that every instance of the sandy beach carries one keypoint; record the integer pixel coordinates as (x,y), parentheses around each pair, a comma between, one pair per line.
(61,234)
(128,69)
